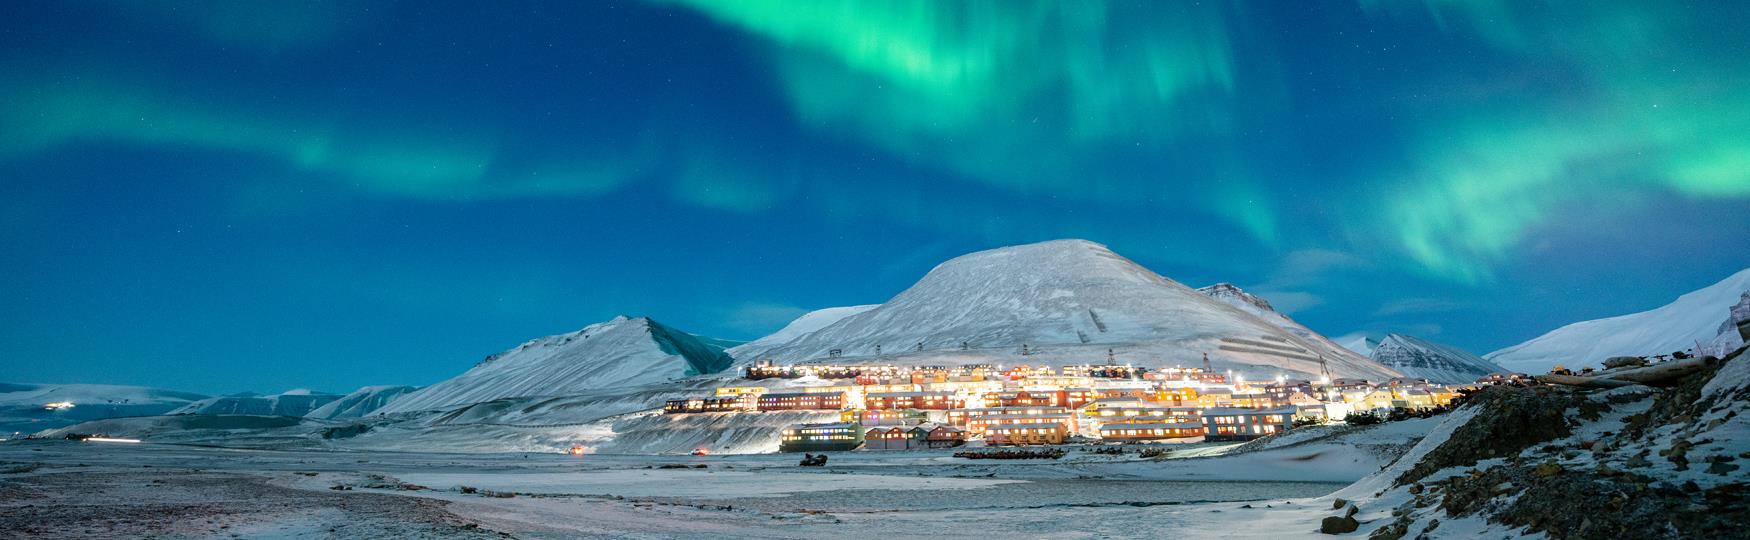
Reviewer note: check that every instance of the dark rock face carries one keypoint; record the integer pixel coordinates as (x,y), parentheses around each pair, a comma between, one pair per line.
(1512,419)
(1602,505)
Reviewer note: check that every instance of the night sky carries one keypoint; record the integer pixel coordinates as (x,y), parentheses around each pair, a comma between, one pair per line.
(226,196)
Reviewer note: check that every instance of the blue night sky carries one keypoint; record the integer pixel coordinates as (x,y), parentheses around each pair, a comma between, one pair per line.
(226,196)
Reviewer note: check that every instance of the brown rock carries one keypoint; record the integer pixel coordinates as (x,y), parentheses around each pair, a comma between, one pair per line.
(1548,469)
(1339,525)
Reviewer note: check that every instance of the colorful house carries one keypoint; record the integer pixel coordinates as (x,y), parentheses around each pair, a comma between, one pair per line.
(820,437)
(704,405)
(939,401)
(807,401)
(944,436)
(1150,431)
(892,417)
(1235,424)
(1026,434)
(895,438)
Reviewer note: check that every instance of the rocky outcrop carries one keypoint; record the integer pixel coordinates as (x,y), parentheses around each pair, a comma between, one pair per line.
(1620,464)
(1511,419)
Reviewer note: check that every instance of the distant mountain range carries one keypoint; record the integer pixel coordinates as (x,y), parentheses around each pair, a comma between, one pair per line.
(1052,303)
(24,407)
(290,403)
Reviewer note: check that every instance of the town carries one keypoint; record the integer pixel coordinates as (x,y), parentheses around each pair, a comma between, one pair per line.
(887,407)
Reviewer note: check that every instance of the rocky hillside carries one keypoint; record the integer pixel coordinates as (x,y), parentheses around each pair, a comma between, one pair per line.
(1627,463)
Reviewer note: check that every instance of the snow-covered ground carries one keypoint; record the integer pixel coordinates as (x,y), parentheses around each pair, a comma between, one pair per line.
(1195,491)
(750,496)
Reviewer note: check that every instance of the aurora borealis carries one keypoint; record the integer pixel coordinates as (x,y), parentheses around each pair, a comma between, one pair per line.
(349,193)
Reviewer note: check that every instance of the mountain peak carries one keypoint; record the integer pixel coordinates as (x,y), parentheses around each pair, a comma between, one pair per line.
(1065,301)
(1226,291)
(1417,357)
(620,352)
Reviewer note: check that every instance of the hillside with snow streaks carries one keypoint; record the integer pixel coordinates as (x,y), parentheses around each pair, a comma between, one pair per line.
(360,402)
(1693,318)
(291,403)
(1417,357)
(1067,301)
(1234,296)
(622,352)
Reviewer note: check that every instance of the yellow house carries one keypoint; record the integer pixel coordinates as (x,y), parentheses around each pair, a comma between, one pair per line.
(728,391)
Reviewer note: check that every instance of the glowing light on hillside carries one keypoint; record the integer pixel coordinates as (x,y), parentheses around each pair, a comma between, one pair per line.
(59,406)
(109,439)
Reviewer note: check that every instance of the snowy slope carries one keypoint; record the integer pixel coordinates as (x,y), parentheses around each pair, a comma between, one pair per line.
(22,406)
(1068,301)
(617,353)
(291,403)
(360,402)
(1417,357)
(1678,326)
(807,323)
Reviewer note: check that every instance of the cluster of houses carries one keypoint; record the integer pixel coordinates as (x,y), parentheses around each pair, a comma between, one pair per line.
(883,407)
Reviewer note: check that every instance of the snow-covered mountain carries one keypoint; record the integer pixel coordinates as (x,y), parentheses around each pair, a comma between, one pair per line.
(1068,301)
(360,402)
(617,353)
(291,403)
(25,407)
(1359,342)
(1417,357)
(1693,318)
(807,323)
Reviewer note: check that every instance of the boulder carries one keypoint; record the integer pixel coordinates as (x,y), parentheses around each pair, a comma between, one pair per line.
(1339,525)
(1548,469)
(1624,361)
